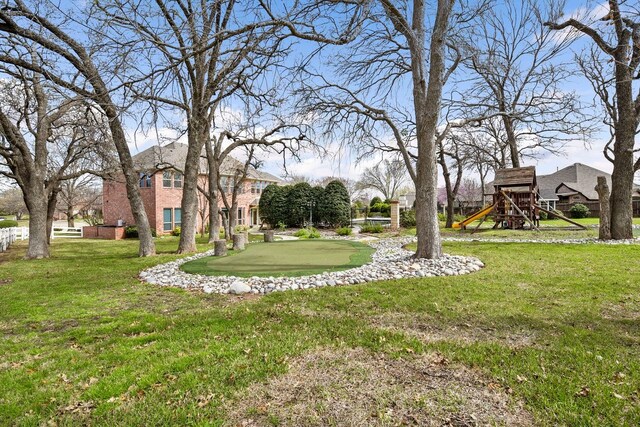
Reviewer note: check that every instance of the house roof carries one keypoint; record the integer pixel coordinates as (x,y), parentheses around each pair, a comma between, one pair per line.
(515,176)
(577,177)
(174,155)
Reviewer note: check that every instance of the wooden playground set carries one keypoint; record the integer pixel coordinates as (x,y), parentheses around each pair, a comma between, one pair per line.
(516,203)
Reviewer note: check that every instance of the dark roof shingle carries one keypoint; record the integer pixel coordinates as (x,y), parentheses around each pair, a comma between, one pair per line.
(174,155)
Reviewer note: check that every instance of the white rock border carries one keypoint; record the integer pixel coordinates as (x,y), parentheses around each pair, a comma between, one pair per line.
(390,261)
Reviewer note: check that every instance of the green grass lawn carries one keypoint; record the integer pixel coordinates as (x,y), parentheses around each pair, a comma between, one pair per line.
(285,258)
(85,342)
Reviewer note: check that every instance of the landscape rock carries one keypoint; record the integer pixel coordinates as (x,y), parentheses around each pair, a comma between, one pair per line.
(390,261)
(239,288)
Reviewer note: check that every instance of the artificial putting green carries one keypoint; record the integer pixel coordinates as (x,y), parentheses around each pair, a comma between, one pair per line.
(287,258)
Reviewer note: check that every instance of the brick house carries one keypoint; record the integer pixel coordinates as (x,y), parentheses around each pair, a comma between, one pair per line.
(161,190)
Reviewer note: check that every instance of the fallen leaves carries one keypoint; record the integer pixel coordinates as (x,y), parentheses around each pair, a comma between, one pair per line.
(583,392)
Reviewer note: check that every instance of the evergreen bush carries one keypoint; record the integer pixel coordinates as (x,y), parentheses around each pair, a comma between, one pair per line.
(579,211)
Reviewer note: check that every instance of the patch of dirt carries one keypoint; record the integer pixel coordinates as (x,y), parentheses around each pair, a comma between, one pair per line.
(627,308)
(353,387)
(464,333)
(5,281)
(60,326)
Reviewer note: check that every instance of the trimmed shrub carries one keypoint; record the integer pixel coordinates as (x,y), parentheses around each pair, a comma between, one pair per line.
(408,218)
(383,207)
(176,231)
(344,231)
(579,211)
(298,204)
(273,204)
(131,232)
(335,207)
(375,201)
(8,223)
(371,228)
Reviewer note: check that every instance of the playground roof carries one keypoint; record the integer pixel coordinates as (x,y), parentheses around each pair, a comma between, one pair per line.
(515,176)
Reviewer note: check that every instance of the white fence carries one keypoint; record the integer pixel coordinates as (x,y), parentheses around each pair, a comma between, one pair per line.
(66,232)
(10,235)
(7,237)
(22,233)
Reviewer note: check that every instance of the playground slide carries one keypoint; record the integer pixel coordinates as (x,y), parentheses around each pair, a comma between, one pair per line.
(475,216)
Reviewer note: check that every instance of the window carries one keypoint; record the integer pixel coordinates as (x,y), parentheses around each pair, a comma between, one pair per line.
(166,179)
(177,180)
(240,216)
(145,180)
(177,218)
(167,219)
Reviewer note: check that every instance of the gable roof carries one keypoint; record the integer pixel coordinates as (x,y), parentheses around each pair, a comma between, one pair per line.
(577,177)
(515,176)
(174,155)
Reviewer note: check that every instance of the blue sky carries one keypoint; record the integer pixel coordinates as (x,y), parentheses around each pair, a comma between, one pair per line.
(341,162)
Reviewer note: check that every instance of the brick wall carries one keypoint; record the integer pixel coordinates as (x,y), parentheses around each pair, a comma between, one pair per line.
(156,198)
(115,204)
(100,232)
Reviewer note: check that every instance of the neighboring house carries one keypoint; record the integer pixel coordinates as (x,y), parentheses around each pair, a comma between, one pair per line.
(576,184)
(161,188)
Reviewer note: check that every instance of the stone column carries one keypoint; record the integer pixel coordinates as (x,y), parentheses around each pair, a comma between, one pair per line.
(395,214)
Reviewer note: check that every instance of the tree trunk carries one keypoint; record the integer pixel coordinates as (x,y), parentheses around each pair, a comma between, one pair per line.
(36,201)
(213,177)
(220,248)
(70,217)
(450,211)
(511,141)
(51,210)
(427,108)
(233,220)
(604,232)
(269,236)
(196,140)
(238,242)
(623,162)
(147,246)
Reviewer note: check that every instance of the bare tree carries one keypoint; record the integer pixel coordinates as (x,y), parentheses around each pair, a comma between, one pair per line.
(391,51)
(12,203)
(452,161)
(212,52)
(515,69)
(235,185)
(617,35)
(68,56)
(280,137)
(387,177)
(36,122)
(76,196)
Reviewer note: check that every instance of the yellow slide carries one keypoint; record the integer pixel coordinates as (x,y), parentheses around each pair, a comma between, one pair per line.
(468,220)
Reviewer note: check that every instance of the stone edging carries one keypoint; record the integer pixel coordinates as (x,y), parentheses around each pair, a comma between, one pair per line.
(390,261)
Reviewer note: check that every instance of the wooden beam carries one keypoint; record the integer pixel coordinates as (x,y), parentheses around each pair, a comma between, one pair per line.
(520,211)
(561,217)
